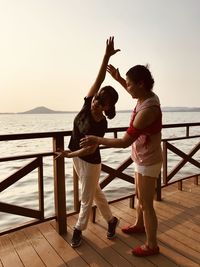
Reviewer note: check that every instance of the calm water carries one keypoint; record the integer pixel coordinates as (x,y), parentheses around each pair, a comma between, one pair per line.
(25,191)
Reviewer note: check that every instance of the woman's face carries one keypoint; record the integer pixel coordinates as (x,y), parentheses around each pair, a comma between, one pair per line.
(99,103)
(133,88)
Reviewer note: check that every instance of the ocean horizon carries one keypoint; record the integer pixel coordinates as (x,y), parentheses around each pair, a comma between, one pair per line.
(46,110)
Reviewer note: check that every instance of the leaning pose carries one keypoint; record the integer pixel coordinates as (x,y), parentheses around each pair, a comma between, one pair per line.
(91,120)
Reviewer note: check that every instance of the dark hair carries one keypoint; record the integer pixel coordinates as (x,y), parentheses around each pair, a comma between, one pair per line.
(111,94)
(140,73)
(110,113)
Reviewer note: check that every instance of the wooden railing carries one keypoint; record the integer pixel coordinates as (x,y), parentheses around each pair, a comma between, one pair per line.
(185,158)
(59,173)
(13,209)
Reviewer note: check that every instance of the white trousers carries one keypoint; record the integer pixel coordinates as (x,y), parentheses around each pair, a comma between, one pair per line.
(90,190)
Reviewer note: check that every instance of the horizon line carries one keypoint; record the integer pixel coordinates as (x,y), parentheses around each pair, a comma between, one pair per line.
(45,110)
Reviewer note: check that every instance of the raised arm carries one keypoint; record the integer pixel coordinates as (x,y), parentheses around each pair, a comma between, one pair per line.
(110,51)
(114,72)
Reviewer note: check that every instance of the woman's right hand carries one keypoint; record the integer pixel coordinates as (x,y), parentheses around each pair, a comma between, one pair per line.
(114,72)
(89,140)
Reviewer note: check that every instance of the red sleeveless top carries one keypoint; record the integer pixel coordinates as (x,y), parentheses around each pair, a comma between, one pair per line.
(146,149)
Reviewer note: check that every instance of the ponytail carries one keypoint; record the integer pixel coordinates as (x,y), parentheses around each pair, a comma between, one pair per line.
(110,113)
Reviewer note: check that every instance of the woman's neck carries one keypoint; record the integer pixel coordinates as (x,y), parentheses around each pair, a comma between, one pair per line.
(145,96)
(97,116)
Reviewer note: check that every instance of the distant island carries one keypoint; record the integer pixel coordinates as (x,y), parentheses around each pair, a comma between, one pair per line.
(45,110)
(40,110)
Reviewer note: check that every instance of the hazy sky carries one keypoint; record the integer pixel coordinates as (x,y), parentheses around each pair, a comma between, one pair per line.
(51,50)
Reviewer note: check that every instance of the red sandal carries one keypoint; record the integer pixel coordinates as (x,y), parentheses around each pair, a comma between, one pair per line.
(144,251)
(133,229)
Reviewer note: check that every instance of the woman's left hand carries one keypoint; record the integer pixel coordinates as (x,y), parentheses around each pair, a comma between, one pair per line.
(59,154)
(62,154)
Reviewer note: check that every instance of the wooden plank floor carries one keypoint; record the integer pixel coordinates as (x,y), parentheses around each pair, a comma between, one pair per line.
(178,235)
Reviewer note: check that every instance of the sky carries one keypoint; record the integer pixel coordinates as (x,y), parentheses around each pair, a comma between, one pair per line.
(51,50)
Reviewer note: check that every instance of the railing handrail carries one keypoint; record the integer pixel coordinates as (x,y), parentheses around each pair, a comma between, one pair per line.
(20,136)
(59,175)
(180,138)
(183,124)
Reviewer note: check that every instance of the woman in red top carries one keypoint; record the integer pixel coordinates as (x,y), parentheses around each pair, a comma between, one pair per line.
(144,135)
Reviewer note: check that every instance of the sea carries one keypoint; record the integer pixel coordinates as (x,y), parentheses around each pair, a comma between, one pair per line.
(25,192)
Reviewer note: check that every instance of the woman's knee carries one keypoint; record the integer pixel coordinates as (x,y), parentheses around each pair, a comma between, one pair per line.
(145,204)
(87,199)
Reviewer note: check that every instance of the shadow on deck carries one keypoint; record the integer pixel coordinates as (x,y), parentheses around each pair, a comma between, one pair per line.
(178,235)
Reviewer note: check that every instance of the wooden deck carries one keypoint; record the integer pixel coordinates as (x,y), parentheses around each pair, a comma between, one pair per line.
(178,235)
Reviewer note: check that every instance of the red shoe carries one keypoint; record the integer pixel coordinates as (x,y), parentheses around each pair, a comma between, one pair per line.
(133,229)
(144,251)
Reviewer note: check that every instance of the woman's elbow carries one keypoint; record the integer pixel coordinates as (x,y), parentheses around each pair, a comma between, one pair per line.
(125,145)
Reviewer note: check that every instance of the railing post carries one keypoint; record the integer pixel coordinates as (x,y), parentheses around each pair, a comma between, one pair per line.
(187,131)
(165,163)
(132,199)
(59,187)
(196,178)
(158,189)
(41,188)
(180,185)
(132,202)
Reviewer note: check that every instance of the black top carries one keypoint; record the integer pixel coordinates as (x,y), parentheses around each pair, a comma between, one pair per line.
(84,124)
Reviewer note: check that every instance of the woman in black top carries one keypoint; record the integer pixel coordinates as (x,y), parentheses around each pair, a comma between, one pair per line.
(98,104)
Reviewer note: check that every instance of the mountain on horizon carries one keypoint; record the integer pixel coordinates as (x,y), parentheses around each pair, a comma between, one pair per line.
(38,110)
(43,110)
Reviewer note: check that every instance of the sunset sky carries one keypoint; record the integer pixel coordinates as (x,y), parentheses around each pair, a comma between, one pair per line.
(51,50)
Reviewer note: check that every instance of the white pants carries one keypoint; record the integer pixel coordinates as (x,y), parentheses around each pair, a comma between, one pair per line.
(89,177)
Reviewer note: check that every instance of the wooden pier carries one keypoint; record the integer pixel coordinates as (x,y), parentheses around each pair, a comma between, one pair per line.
(178,235)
